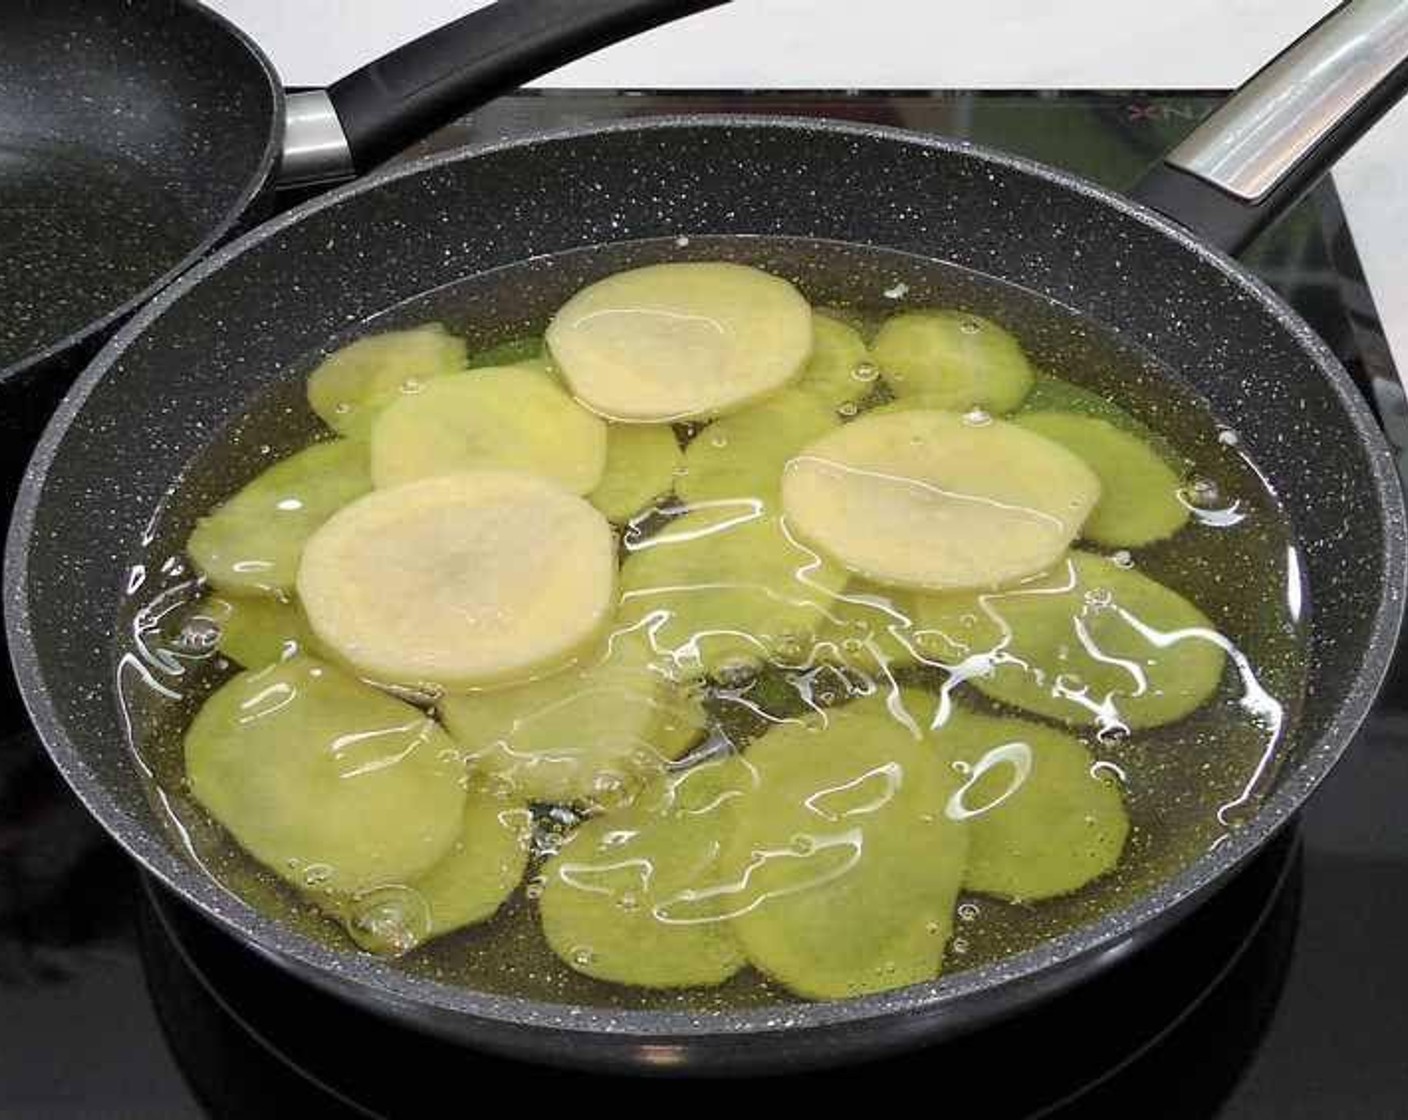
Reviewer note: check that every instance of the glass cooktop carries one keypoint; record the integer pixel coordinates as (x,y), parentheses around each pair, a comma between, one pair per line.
(1286,997)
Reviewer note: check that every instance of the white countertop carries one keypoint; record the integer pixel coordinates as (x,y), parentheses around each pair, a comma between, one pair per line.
(880,44)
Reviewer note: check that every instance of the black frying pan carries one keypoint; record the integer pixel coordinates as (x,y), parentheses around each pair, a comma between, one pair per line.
(239,323)
(135,135)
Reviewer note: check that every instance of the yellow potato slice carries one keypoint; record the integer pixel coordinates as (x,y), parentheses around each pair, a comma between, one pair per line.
(641,460)
(462,580)
(355,383)
(838,372)
(680,341)
(961,358)
(504,417)
(588,734)
(937,501)
(323,779)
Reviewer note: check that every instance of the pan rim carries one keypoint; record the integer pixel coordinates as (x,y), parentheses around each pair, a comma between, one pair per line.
(214,234)
(966,999)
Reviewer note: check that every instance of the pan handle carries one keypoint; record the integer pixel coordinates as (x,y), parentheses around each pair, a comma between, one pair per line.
(1274,138)
(376,111)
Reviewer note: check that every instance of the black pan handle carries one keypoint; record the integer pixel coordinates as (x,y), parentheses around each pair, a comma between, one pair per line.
(1255,157)
(376,111)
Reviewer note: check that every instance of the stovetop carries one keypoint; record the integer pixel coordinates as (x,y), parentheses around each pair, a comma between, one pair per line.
(1286,997)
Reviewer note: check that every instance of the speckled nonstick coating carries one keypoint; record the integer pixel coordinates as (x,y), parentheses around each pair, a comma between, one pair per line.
(188,363)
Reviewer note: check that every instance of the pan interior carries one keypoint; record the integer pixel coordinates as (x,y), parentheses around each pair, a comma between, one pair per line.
(1188,785)
(130,136)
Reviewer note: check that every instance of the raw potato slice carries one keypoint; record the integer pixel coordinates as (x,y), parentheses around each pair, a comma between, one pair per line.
(618,900)
(1024,645)
(830,376)
(504,417)
(324,780)
(587,734)
(355,383)
(870,622)
(933,500)
(641,460)
(514,352)
(251,544)
(722,589)
(1139,500)
(1040,823)
(467,886)
(680,341)
(255,632)
(963,359)
(459,581)
(1053,394)
(742,456)
(843,866)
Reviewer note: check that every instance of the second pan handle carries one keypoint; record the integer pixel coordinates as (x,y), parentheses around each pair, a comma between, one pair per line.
(376,111)
(1250,161)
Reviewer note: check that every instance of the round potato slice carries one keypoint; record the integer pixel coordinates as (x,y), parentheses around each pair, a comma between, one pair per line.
(460,581)
(323,779)
(355,383)
(641,460)
(742,455)
(680,341)
(467,886)
(869,623)
(719,589)
(1040,822)
(938,501)
(1139,501)
(587,734)
(954,356)
(254,632)
(837,372)
(251,544)
(1087,643)
(843,867)
(628,897)
(502,417)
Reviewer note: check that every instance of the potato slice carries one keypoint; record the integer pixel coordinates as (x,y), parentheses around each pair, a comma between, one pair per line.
(641,460)
(251,544)
(1139,501)
(1087,643)
(588,734)
(1040,822)
(844,868)
(503,417)
(621,900)
(869,622)
(720,589)
(963,359)
(937,501)
(255,632)
(355,383)
(1054,394)
(742,455)
(680,341)
(836,374)
(467,886)
(460,581)
(323,779)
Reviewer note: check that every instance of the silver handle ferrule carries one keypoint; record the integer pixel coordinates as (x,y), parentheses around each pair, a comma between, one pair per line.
(315,146)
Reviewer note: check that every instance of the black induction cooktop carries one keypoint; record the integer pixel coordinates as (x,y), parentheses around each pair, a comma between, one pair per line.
(1285,997)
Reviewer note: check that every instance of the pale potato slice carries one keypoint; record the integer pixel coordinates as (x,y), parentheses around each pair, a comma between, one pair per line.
(462,580)
(505,417)
(836,373)
(641,460)
(589,734)
(680,341)
(938,501)
(963,359)
(325,780)
(355,383)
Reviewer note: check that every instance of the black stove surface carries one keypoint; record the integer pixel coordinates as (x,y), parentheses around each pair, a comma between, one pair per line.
(1286,997)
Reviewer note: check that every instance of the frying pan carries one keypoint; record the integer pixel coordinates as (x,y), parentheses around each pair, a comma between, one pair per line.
(135,135)
(240,322)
